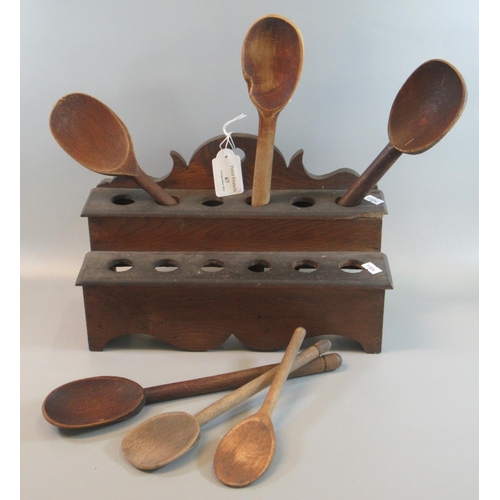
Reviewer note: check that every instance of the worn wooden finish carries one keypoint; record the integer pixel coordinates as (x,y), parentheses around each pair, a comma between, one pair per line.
(126,219)
(92,402)
(96,138)
(247,450)
(272,57)
(303,213)
(236,300)
(425,109)
(103,400)
(166,437)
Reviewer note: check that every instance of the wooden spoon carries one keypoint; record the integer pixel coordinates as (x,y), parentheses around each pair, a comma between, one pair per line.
(272,57)
(425,109)
(97,139)
(96,401)
(247,450)
(166,437)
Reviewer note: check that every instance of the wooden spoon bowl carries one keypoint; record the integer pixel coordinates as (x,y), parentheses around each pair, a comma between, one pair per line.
(94,136)
(92,402)
(272,58)
(246,451)
(426,107)
(161,440)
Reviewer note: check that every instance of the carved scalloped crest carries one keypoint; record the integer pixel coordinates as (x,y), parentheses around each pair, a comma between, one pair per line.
(197,174)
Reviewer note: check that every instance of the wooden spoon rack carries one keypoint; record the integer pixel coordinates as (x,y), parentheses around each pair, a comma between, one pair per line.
(210,267)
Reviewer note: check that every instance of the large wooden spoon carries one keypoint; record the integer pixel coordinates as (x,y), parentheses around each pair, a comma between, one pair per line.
(97,401)
(247,450)
(272,57)
(425,109)
(166,437)
(96,138)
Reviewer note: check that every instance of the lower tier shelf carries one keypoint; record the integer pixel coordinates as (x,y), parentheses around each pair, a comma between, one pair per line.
(196,300)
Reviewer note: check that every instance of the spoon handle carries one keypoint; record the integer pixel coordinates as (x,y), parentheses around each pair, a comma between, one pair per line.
(243,393)
(233,380)
(369,178)
(153,189)
(283,371)
(263,168)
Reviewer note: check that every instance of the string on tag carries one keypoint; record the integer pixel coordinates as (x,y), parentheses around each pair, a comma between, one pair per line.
(228,141)
(226,166)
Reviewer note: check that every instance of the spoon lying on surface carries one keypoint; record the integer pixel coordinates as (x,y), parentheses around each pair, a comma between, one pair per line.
(96,401)
(425,109)
(166,437)
(96,138)
(272,57)
(247,450)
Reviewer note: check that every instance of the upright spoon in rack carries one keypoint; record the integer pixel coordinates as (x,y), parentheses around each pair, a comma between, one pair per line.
(247,450)
(272,57)
(95,137)
(104,400)
(166,437)
(425,109)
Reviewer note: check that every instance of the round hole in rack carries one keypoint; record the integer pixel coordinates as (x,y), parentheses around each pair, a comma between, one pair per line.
(120,265)
(351,266)
(166,266)
(302,202)
(212,266)
(122,199)
(305,266)
(212,202)
(259,266)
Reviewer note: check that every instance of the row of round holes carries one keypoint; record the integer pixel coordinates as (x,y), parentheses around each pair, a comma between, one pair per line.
(299,201)
(258,266)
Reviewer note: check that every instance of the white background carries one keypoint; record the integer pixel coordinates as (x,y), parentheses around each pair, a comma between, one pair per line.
(401,424)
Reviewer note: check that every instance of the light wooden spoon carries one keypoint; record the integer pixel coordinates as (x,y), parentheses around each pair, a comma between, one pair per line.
(247,450)
(166,437)
(272,57)
(94,136)
(425,109)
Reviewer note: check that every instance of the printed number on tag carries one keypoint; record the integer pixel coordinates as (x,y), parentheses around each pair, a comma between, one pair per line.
(374,199)
(228,178)
(371,267)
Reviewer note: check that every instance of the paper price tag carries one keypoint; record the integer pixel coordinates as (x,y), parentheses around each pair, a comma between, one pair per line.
(374,199)
(371,267)
(228,178)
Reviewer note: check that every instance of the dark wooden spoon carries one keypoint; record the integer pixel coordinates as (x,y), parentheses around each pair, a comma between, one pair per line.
(425,109)
(96,401)
(96,138)
(272,57)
